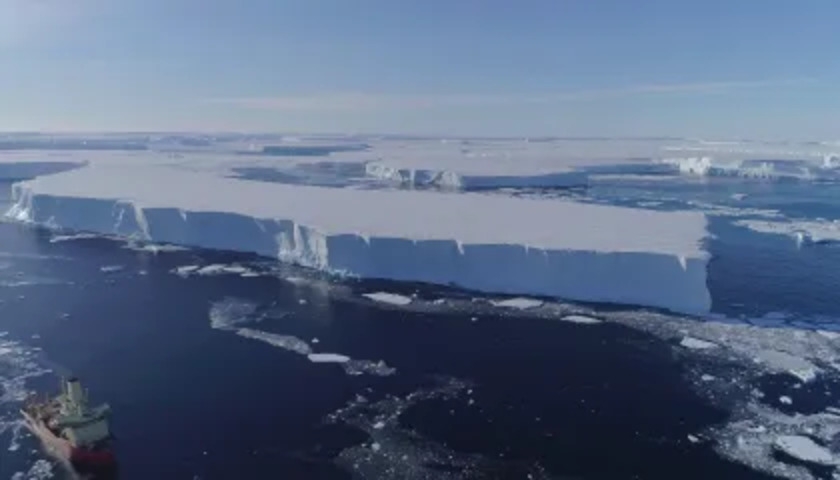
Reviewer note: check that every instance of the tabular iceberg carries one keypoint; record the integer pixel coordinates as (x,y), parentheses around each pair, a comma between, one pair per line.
(487,243)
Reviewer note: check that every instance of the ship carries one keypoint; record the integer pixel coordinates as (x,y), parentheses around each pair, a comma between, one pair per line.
(74,432)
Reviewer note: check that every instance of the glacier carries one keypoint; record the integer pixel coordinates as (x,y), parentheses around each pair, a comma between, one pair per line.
(487,243)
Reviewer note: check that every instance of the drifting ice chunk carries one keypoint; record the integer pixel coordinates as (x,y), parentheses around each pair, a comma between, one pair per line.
(785,362)
(389,298)
(805,449)
(518,303)
(328,358)
(488,243)
(582,319)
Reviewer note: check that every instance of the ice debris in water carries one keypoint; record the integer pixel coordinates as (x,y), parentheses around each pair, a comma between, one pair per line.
(111,268)
(328,358)
(389,298)
(784,399)
(40,470)
(582,319)
(520,303)
(231,313)
(214,269)
(286,342)
(75,236)
(396,453)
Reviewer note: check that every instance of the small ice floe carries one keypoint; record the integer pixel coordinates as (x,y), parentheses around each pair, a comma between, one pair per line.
(111,268)
(375,447)
(519,303)
(77,236)
(379,425)
(696,343)
(805,449)
(582,319)
(707,378)
(328,358)
(388,298)
(214,269)
(791,364)
(739,196)
(784,399)
(693,438)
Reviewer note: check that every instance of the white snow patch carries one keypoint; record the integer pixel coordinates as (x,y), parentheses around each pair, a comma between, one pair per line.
(519,303)
(696,343)
(389,298)
(785,400)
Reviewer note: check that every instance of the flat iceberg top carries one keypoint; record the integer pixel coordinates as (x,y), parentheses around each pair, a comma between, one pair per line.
(421,215)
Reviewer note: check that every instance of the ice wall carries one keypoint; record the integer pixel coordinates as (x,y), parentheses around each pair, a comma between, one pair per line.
(658,277)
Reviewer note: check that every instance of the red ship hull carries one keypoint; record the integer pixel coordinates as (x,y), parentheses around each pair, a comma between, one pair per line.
(96,463)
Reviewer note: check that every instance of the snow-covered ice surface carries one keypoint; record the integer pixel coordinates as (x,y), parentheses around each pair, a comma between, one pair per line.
(484,242)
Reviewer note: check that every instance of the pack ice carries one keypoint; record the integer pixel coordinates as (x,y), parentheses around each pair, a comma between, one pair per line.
(489,243)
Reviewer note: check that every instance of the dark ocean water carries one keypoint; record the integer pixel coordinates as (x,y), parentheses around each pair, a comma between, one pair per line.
(490,395)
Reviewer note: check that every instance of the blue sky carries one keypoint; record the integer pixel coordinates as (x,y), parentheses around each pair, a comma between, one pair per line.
(710,68)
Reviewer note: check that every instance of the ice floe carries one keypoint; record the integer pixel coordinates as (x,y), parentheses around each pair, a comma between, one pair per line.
(805,449)
(389,298)
(519,303)
(801,231)
(581,319)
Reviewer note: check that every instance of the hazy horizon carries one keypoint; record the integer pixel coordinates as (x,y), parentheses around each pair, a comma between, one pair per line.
(608,68)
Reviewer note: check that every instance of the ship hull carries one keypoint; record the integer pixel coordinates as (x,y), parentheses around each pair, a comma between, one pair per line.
(99,463)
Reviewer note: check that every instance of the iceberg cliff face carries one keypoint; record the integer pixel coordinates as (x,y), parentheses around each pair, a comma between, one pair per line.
(668,274)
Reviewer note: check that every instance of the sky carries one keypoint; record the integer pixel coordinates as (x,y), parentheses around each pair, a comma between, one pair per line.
(710,68)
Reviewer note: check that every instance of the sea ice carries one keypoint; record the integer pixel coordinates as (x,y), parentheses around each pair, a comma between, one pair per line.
(389,298)
(518,303)
(582,319)
(802,231)
(328,358)
(805,449)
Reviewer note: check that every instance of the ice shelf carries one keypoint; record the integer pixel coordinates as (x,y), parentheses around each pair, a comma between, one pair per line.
(483,242)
